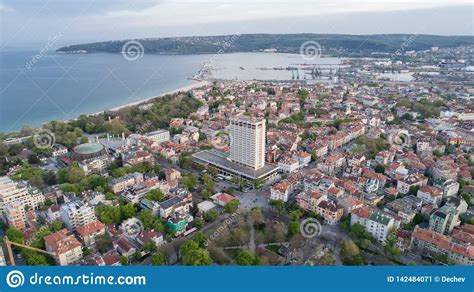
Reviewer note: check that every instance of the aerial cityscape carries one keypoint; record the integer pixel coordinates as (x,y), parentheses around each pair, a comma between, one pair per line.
(239,149)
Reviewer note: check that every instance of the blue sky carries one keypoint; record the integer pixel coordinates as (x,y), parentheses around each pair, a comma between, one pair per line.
(34,22)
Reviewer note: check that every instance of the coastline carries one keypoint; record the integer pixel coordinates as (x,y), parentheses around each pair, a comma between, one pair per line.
(199,84)
(196,85)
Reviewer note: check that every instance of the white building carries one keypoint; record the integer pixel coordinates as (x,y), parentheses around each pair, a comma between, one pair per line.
(11,191)
(159,136)
(65,246)
(121,183)
(247,135)
(15,215)
(450,188)
(288,165)
(375,222)
(76,213)
(281,190)
(430,195)
(411,180)
(58,150)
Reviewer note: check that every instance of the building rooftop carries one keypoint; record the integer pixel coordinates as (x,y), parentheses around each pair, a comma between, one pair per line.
(61,242)
(220,159)
(247,119)
(380,218)
(88,148)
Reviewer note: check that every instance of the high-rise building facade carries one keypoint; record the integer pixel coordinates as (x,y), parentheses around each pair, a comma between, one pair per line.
(10,192)
(247,141)
(15,215)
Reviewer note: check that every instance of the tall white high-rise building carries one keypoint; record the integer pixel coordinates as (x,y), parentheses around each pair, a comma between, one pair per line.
(247,141)
(10,191)
(15,214)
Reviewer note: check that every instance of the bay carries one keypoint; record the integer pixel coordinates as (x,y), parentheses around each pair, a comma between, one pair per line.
(36,88)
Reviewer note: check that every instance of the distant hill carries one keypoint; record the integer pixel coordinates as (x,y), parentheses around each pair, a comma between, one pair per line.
(334,44)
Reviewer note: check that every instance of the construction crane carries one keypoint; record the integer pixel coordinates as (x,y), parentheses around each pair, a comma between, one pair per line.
(10,251)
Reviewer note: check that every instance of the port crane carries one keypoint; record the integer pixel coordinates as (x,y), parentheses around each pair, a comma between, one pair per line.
(10,251)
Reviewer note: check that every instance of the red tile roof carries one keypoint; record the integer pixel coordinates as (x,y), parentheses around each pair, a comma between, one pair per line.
(363,212)
(91,228)
(61,242)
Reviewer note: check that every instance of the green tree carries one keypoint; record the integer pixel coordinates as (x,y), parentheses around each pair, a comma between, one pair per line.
(200,239)
(33,159)
(199,257)
(349,252)
(127,211)
(296,214)
(190,182)
(155,195)
(103,243)
(150,222)
(193,255)
(293,229)
(245,258)
(379,168)
(158,259)
(124,261)
(257,215)
(56,225)
(150,246)
(211,216)
(327,260)
(198,223)
(212,170)
(390,248)
(232,206)
(14,235)
(467,197)
(109,214)
(278,205)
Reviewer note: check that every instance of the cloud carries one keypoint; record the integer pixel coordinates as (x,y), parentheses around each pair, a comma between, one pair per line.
(180,12)
(4,8)
(98,20)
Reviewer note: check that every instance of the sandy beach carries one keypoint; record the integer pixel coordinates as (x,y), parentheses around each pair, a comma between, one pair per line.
(185,88)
